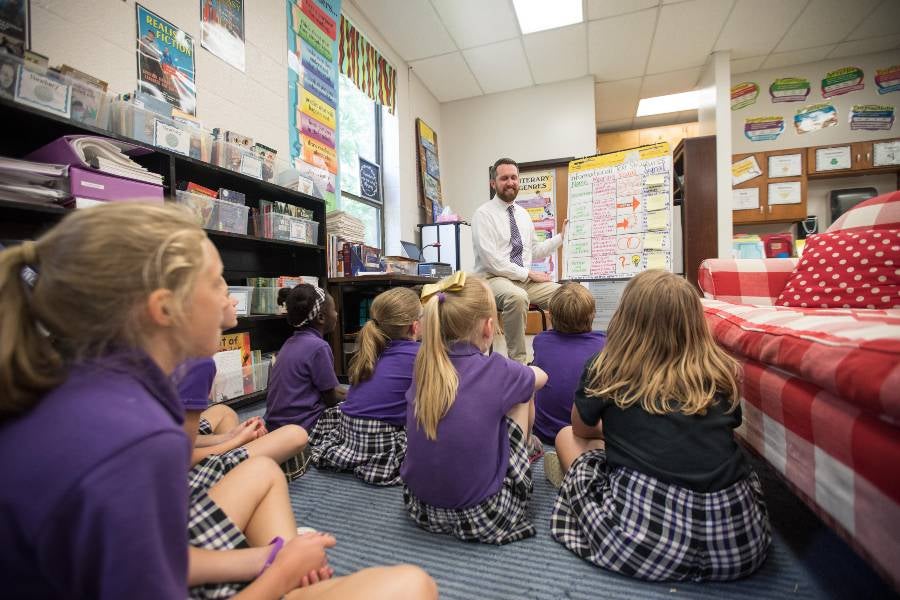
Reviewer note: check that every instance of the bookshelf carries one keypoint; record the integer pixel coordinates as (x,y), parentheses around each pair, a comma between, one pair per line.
(28,129)
(694,163)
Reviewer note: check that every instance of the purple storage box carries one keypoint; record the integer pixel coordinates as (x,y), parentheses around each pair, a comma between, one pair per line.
(90,183)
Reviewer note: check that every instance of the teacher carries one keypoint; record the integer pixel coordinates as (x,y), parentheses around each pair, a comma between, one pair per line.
(505,244)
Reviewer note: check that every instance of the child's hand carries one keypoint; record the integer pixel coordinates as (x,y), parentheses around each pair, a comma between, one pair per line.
(306,554)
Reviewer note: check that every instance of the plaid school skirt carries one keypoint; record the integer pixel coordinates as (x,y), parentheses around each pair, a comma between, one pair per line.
(204,427)
(372,449)
(209,527)
(211,469)
(636,525)
(500,519)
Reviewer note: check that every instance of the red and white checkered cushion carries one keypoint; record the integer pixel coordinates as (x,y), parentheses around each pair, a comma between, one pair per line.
(853,353)
(880,212)
(858,268)
(745,280)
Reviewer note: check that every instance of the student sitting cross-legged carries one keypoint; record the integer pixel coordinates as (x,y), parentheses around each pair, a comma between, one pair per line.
(466,471)
(665,493)
(366,433)
(562,353)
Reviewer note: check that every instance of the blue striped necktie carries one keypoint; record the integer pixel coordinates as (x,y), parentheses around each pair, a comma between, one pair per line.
(515,238)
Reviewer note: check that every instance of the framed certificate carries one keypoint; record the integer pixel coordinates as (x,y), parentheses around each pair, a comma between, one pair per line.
(790,192)
(786,165)
(886,153)
(833,159)
(745,199)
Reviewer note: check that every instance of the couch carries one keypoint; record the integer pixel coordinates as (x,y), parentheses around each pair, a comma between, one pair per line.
(821,387)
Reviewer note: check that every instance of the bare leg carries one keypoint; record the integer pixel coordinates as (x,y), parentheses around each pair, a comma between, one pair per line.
(396,583)
(279,445)
(523,415)
(254,495)
(221,418)
(569,446)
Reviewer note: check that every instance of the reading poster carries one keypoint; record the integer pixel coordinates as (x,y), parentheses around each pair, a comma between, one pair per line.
(620,213)
(165,61)
(537,195)
(222,30)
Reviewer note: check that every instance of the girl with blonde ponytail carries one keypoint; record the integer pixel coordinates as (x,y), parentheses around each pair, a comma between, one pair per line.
(466,471)
(366,433)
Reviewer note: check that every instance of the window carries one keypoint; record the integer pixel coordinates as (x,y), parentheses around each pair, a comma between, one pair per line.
(360,136)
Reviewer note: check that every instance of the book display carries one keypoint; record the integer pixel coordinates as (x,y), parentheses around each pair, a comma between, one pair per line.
(228,203)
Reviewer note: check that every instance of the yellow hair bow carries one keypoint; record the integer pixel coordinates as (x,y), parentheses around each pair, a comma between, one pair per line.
(453,283)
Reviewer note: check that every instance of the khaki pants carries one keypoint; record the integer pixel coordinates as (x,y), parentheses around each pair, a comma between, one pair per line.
(513,298)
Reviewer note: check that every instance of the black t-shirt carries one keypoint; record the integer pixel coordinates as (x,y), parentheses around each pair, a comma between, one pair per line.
(696,452)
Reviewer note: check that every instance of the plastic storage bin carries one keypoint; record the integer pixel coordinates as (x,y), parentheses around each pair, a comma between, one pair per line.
(286,227)
(265,301)
(238,382)
(212,213)
(244,294)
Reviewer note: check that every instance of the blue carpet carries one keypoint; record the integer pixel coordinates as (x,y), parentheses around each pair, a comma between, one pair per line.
(372,528)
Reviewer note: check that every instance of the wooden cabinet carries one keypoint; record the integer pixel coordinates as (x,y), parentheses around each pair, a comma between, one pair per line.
(780,187)
(622,140)
(242,255)
(856,158)
(694,163)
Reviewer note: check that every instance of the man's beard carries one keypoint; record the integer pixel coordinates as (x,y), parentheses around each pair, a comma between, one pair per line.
(508,194)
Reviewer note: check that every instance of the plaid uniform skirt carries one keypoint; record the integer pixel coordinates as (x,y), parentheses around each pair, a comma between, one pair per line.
(211,469)
(636,525)
(372,449)
(500,519)
(209,527)
(204,427)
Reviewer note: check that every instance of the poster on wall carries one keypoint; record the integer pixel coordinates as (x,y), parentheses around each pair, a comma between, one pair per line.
(222,30)
(744,170)
(842,81)
(313,93)
(743,94)
(429,171)
(165,61)
(815,117)
(789,89)
(888,80)
(15,31)
(537,195)
(763,129)
(871,117)
(620,214)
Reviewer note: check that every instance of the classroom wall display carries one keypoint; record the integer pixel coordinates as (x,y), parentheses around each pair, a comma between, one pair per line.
(815,117)
(537,195)
(888,80)
(789,89)
(743,94)
(842,81)
(763,129)
(872,117)
(222,30)
(165,60)
(15,31)
(313,93)
(429,171)
(620,214)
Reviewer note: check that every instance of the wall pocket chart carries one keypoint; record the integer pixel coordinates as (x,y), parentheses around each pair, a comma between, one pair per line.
(620,213)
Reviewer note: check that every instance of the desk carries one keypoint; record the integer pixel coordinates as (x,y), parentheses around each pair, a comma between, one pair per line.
(350,295)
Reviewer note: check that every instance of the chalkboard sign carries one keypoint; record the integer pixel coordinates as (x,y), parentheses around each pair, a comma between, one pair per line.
(368,180)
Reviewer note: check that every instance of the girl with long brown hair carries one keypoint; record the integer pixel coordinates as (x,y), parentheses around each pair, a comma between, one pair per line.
(466,471)
(662,491)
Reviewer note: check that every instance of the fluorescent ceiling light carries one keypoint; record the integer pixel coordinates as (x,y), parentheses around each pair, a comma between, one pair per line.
(675,102)
(538,15)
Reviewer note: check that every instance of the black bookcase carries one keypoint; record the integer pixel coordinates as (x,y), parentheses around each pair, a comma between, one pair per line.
(27,129)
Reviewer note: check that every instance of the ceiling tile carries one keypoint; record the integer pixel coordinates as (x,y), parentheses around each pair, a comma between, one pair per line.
(618,47)
(610,126)
(670,83)
(884,20)
(499,67)
(557,54)
(658,120)
(756,26)
(855,48)
(824,22)
(686,33)
(447,77)
(616,100)
(746,65)
(478,22)
(601,9)
(797,57)
(418,34)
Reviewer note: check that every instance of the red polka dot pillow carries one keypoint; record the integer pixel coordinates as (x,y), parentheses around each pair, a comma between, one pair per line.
(847,269)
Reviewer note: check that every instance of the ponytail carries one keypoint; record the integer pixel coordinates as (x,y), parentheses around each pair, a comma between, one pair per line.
(393,313)
(29,363)
(436,377)
(372,341)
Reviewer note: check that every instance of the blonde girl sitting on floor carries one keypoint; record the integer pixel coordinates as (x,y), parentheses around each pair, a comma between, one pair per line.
(662,491)
(366,433)
(466,471)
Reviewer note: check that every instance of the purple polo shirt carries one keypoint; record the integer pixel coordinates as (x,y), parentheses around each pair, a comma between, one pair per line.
(467,462)
(383,396)
(194,379)
(562,356)
(303,370)
(92,488)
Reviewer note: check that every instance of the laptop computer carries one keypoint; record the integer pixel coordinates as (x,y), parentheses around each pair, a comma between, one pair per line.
(411,250)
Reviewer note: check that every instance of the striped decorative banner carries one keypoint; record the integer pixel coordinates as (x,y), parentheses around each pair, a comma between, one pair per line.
(365,67)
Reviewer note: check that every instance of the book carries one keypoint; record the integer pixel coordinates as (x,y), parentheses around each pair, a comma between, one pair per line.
(231,148)
(237,341)
(232,196)
(74,73)
(268,157)
(196,188)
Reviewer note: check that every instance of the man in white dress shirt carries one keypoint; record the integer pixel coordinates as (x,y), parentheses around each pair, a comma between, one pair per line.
(505,244)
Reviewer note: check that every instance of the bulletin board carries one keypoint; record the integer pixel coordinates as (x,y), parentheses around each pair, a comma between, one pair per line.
(620,214)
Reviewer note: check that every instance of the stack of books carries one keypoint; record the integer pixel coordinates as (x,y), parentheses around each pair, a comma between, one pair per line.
(345,226)
(27,181)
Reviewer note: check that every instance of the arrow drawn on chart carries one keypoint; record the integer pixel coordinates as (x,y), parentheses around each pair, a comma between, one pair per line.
(623,224)
(633,204)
